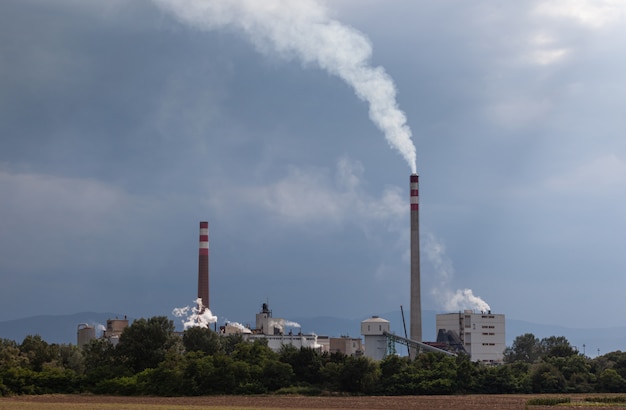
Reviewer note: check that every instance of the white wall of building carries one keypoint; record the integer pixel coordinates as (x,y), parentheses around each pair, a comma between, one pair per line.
(373,330)
(483,333)
(278,341)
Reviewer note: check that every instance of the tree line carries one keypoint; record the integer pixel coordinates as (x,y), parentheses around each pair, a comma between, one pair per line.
(151,359)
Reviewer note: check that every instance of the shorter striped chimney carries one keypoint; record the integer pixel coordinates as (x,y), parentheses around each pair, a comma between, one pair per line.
(203,267)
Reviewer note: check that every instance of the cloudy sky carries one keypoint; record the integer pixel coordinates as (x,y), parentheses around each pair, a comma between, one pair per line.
(125,123)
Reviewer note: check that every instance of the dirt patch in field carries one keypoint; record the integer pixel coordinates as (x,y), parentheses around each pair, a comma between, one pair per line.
(299,402)
(469,402)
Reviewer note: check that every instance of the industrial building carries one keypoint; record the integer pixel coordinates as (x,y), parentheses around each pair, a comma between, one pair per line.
(274,331)
(114,329)
(481,335)
(85,333)
(349,346)
(378,341)
(374,331)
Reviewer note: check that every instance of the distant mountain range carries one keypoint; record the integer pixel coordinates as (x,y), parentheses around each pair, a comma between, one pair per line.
(63,329)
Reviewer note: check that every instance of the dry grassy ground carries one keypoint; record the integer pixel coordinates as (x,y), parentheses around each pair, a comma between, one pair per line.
(470,402)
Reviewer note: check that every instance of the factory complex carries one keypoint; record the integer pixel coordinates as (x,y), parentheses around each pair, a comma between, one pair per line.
(481,335)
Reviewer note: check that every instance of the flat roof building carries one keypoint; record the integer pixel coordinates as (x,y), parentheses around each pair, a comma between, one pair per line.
(481,334)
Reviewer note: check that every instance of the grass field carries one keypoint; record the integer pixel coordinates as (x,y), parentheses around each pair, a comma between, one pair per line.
(469,402)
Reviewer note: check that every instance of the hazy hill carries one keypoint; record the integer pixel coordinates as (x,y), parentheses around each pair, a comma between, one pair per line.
(53,329)
(62,329)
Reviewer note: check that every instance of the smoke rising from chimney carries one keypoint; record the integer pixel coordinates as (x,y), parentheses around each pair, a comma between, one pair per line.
(289,323)
(195,316)
(303,30)
(449,300)
(239,326)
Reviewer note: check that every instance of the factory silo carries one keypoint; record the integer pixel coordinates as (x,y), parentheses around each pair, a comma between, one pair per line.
(114,329)
(416,301)
(84,334)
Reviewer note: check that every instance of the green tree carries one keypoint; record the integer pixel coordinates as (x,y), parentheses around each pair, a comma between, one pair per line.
(19,380)
(71,357)
(465,373)
(167,379)
(306,364)
(230,342)
(10,355)
(611,382)
(613,360)
(435,373)
(556,346)
(255,353)
(331,373)
(396,376)
(227,375)
(199,375)
(276,375)
(521,371)
(102,362)
(145,343)
(358,375)
(620,363)
(37,351)
(546,378)
(526,348)
(507,378)
(199,339)
(261,366)
(576,370)
(215,374)
(53,379)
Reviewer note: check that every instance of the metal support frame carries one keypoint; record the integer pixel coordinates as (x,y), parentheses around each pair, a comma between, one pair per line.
(418,346)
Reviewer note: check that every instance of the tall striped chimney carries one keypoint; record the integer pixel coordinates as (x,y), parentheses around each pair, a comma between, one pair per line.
(203,267)
(416,299)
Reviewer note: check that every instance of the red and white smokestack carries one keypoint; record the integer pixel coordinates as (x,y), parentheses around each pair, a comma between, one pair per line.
(203,267)
(416,299)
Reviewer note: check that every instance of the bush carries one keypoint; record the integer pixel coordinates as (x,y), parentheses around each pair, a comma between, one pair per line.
(546,378)
(547,401)
(19,380)
(300,390)
(611,382)
(253,387)
(616,399)
(121,386)
(55,380)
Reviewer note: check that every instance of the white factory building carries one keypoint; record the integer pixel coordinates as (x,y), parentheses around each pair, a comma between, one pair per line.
(373,331)
(482,334)
(274,330)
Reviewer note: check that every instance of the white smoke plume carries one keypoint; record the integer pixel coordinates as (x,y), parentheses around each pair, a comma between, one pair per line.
(239,326)
(449,300)
(303,30)
(194,317)
(465,299)
(288,323)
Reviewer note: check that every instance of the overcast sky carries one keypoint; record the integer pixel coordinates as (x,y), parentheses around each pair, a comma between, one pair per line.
(125,123)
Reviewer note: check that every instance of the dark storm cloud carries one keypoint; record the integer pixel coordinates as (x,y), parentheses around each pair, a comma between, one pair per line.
(122,128)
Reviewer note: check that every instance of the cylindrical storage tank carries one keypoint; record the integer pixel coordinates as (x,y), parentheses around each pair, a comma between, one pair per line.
(115,327)
(85,334)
